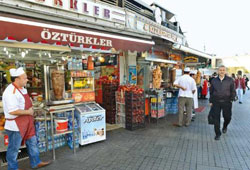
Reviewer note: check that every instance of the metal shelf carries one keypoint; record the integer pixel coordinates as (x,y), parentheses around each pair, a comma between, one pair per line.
(53,134)
(63,133)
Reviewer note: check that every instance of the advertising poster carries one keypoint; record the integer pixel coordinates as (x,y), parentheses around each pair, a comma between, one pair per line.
(93,128)
(132,78)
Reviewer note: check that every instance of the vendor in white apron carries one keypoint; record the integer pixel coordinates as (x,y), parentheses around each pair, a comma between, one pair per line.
(19,124)
(193,75)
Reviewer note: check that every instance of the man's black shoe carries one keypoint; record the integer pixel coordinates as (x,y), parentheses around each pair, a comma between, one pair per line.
(240,102)
(217,137)
(224,130)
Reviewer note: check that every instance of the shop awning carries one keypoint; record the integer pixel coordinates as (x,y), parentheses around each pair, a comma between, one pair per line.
(191,51)
(160,60)
(13,29)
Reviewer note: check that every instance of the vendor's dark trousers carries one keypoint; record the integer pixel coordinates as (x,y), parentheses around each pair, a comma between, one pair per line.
(226,108)
(185,102)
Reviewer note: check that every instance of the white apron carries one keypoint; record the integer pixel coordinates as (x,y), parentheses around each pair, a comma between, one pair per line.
(195,97)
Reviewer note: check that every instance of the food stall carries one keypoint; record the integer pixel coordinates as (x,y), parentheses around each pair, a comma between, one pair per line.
(62,88)
(157,72)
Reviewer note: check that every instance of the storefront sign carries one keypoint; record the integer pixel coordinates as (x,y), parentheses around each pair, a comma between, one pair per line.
(160,32)
(46,33)
(191,59)
(145,25)
(175,57)
(87,7)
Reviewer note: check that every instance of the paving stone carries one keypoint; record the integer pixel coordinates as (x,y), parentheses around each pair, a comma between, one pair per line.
(164,147)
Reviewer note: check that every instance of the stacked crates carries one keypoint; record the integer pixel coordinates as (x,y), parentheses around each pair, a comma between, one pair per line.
(134,110)
(157,108)
(171,106)
(120,108)
(109,102)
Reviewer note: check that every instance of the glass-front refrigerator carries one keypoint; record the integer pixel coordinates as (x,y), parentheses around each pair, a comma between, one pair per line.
(92,123)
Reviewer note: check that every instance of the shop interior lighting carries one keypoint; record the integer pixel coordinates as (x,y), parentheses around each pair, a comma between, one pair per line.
(7,52)
(23,54)
(49,55)
(9,55)
(4,49)
(26,51)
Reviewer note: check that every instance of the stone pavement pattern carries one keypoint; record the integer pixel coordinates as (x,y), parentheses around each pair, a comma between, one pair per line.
(163,146)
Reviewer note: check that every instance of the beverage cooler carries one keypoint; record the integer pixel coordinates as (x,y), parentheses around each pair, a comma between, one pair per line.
(91,121)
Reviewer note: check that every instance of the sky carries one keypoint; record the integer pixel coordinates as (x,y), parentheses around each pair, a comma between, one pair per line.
(221,26)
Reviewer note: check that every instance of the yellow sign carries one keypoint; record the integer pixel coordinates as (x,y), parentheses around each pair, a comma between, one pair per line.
(191,59)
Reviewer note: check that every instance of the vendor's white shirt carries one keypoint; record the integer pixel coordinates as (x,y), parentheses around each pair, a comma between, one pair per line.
(12,100)
(187,82)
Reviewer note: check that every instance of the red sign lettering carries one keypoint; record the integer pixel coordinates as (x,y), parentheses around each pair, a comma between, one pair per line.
(96,9)
(58,2)
(85,8)
(106,13)
(73,4)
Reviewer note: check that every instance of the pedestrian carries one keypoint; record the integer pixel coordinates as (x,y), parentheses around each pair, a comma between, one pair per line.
(213,76)
(193,74)
(233,76)
(187,87)
(240,86)
(222,94)
(204,88)
(246,81)
(19,124)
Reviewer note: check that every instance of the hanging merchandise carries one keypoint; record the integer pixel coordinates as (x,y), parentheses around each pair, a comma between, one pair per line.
(90,63)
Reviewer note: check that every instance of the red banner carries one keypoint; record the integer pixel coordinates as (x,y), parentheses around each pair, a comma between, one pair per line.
(19,30)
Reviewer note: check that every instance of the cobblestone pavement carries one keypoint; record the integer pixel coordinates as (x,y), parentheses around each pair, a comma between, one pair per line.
(162,146)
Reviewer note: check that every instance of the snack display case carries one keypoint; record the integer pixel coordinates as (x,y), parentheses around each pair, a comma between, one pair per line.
(91,119)
(82,86)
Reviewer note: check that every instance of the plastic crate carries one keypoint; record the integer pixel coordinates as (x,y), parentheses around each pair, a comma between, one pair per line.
(161,113)
(121,120)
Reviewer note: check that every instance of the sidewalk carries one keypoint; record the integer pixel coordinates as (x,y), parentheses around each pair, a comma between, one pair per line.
(163,146)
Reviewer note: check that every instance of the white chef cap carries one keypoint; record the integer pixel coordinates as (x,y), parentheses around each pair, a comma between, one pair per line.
(16,72)
(193,72)
(187,69)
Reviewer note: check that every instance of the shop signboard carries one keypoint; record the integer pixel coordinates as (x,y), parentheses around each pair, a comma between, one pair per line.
(145,25)
(83,96)
(191,59)
(131,20)
(132,78)
(86,7)
(36,32)
(175,57)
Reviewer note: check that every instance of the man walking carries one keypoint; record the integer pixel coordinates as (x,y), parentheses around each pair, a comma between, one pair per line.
(19,124)
(246,81)
(222,94)
(187,87)
(240,87)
